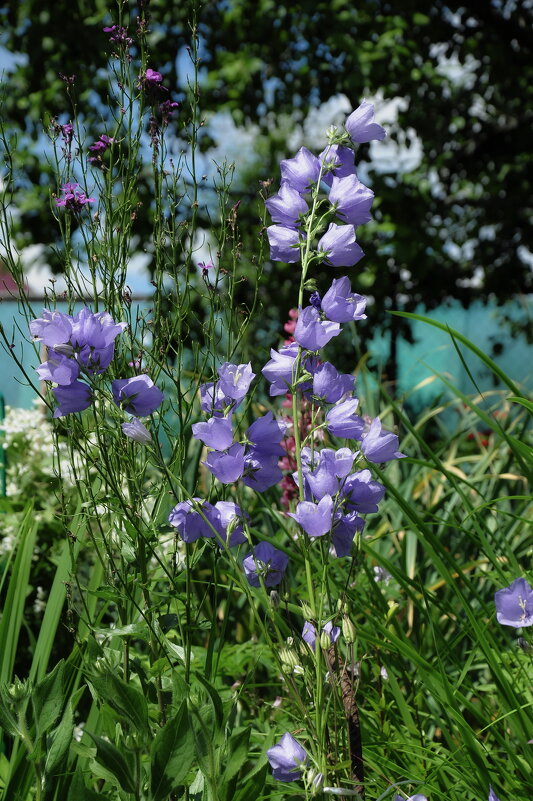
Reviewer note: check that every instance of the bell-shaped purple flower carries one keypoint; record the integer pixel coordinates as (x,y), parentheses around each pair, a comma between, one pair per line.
(352,199)
(492,794)
(313,333)
(216,433)
(235,380)
(280,370)
(301,171)
(265,434)
(138,395)
(514,604)
(267,562)
(189,523)
(341,420)
(231,519)
(94,331)
(284,243)
(315,518)
(309,633)
(332,466)
(344,530)
(363,493)
(361,126)
(212,399)
(59,369)
(53,328)
(286,759)
(338,162)
(137,432)
(261,470)
(380,446)
(72,398)
(329,385)
(286,206)
(227,467)
(342,305)
(339,247)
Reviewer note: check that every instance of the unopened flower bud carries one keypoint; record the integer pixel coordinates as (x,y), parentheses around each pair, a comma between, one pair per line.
(19,690)
(348,630)
(393,606)
(306,609)
(274,599)
(288,657)
(325,640)
(342,607)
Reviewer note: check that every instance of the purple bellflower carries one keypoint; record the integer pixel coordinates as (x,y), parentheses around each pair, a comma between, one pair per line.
(415,797)
(342,305)
(337,161)
(93,338)
(280,370)
(189,523)
(380,446)
(136,431)
(361,126)
(59,369)
(338,246)
(332,466)
(363,493)
(309,633)
(284,243)
(301,171)
(352,199)
(235,380)
(286,759)
(261,470)
(344,529)
(341,420)
(315,518)
(286,206)
(267,562)
(226,467)
(330,386)
(216,433)
(73,398)
(492,795)
(212,399)
(311,332)
(53,328)
(265,434)
(138,395)
(230,524)
(514,604)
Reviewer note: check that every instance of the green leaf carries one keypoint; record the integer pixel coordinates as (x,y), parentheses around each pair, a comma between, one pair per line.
(113,761)
(238,753)
(59,747)
(525,403)
(172,754)
(48,698)
(125,699)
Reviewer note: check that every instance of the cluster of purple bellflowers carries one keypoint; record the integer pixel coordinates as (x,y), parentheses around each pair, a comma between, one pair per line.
(79,350)
(348,200)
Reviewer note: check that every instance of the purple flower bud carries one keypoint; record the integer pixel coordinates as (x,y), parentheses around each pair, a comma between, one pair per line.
(314,300)
(284,243)
(361,126)
(137,432)
(352,199)
(514,604)
(138,395)
(286,206)
(341,420)
(315,518)
(235,379)
(380,446)
(73,398)
(216,433)
(301,171)
(340,304)
(329,385)
(339,247)
(286,758)
(59,369)
(313,333)
(338,162)
(267,562)
(226,467)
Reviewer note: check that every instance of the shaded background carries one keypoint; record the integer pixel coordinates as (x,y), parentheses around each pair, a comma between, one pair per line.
(452,83)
